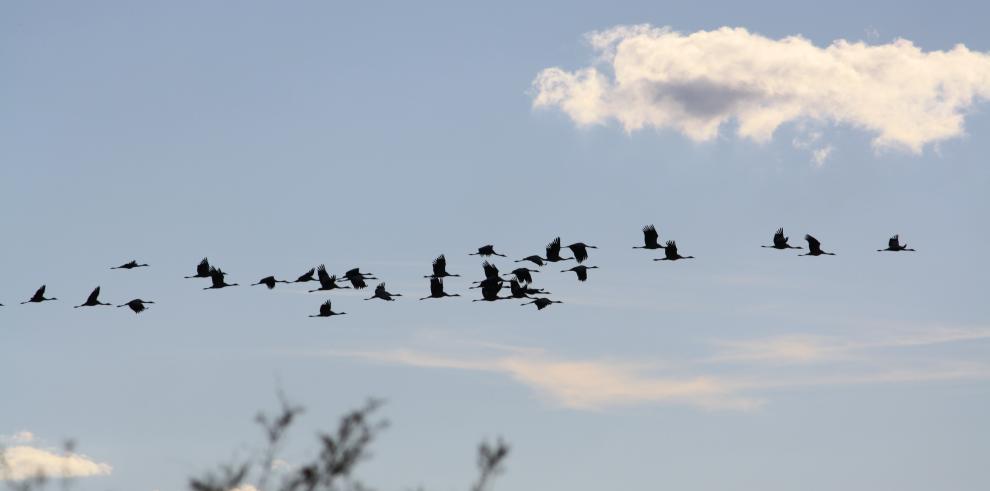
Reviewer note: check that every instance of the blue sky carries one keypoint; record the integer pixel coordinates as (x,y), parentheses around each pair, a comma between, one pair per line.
(272,138)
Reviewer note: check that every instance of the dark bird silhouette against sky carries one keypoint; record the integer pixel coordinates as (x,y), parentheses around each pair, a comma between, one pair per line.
(520,291)
(894,245)
(815,247)
(489,290)
(216,276)
(93,300)
(542,302)
(440,268)
(329,282)
(581,270)
(39,296)
(382,293)
(131,265)
(326,310)
(269,281)
(356,277)
(650,238)
(202,269)
(580,250)
(670,253)
(553,252)
(524,274)
(137,305)
(537,260)
(436,289)
(486,250)
(780,241)
(307,276)
(491,273)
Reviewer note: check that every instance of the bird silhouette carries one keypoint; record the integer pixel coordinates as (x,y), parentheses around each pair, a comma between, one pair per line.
(216,276)
(815,247)
(329,282)
(39,296)
(780,242)
(670,253)
(269,281)
(489,290)
(436,289)
(202,269)
(524,274)
(440,268)
(383,294)
(894,245)
(542,302)
(307,276)
(537,260)
(137,305)
(326,310)
(356,277)
(131,265)
(581,270)
(491,273)
(486,250)
(553,252)
(650,238)
(93,299)
(520,291)
(580,250)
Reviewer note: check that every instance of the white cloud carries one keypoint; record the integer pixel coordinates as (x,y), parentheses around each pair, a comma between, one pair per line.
(23,462)
(694,83)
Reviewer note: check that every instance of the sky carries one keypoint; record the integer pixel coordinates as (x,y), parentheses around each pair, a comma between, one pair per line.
(275,137)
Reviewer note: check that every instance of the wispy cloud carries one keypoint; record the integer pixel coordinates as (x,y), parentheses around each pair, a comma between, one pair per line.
(694,83)
(737,375)
(581,384)
(803,348)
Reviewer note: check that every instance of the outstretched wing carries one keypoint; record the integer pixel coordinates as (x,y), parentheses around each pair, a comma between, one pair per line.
(325,309)
(650,236)
(553,248)
(94,295)
(582,273)
(580,251)
(778,238)
(309,274)
(516,288)
(439,265)
(216,276)
(894,242)
(813,245)
(436,287)
(203,268)
(380,289)
(490,270)
(321,271)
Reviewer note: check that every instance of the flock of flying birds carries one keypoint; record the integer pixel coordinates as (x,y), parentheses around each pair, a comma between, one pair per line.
(519,284)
